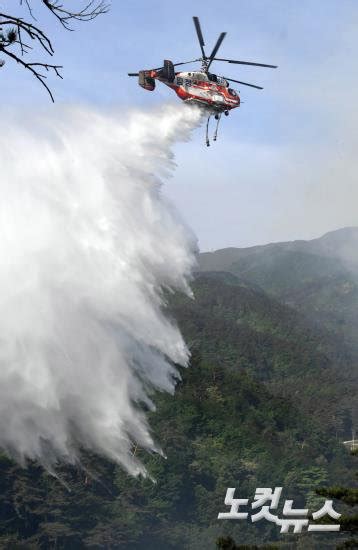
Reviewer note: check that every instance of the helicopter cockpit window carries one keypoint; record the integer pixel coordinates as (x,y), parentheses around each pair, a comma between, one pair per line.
(232,92)
(212,77)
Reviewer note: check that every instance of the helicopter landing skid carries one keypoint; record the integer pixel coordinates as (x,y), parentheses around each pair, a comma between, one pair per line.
(207,131)
(217,117)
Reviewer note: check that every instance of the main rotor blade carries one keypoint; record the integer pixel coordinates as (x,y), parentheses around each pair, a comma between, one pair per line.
(246,63)
(244,83)
(200,35)
(174,64)
(186,62)
(216,47)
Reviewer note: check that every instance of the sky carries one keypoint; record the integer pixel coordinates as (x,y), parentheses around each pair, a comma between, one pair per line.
(284,166)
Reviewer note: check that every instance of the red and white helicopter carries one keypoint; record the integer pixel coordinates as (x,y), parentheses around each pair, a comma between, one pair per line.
(200,87)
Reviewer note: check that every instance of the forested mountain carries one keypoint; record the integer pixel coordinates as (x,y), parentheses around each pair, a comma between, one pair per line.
(318,278)
(340,245)
(267,400)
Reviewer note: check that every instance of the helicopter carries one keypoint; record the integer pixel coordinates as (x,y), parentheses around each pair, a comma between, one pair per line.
(200,87)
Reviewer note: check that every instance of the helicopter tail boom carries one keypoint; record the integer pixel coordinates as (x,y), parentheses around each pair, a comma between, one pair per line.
(146,78)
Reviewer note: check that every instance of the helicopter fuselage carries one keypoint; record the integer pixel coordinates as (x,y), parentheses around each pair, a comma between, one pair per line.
(199,87)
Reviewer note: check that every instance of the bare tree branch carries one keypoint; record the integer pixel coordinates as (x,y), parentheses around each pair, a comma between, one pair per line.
(90,11)
(29,8)
(34,71)
(35,33)
(12,30)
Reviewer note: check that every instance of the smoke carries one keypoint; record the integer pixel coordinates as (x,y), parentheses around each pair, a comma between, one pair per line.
(88,245)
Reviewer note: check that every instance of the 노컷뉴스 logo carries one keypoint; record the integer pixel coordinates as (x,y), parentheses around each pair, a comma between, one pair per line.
(265,500)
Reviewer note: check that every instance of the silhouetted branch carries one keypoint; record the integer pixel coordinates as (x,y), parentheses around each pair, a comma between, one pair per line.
(13,29)
(32,67)
(29,8)
(90,11)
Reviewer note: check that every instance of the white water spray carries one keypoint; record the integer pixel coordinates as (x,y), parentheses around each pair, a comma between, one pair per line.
(87,245)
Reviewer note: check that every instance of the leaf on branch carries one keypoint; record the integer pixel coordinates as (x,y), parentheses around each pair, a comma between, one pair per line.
(11,36)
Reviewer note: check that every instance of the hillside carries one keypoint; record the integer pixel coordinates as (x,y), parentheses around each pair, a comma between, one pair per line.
(340,245)
(266,401)
(243,327)
(318,278)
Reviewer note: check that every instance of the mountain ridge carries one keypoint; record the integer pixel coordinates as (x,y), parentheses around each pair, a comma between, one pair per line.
(345,238)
